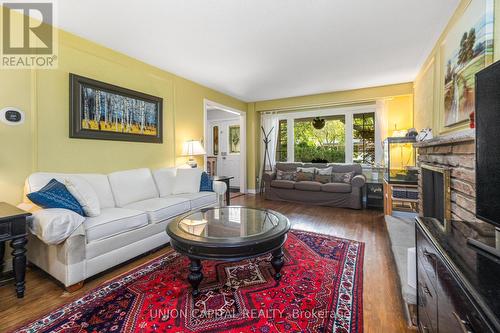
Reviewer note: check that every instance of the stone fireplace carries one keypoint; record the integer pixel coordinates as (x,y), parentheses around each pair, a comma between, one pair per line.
(447,185)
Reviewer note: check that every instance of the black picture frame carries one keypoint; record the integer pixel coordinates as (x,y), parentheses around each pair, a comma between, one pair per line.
(154,105)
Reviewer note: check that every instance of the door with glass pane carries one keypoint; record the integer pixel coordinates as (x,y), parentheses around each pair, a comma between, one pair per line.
(229,158)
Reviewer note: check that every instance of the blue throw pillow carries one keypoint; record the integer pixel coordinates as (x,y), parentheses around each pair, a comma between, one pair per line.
(206,183)
(56,195)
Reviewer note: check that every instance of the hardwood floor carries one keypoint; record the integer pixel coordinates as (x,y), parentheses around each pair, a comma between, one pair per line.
(382,308)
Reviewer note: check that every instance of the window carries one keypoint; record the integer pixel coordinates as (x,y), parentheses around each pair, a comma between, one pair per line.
(363,137)
(320,145)
(234,139)
(335,135)
(281,147)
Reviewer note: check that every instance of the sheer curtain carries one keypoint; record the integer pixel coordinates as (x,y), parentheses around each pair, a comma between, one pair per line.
(269,120)
(381,122)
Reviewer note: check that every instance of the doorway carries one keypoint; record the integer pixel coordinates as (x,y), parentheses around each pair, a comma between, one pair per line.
(225,144)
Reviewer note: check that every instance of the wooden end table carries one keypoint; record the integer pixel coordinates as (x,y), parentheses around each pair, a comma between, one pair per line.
(13,229)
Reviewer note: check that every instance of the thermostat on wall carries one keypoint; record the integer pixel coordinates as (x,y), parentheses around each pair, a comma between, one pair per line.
(11,116)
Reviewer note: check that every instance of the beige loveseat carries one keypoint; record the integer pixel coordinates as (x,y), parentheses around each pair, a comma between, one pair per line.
(311,192)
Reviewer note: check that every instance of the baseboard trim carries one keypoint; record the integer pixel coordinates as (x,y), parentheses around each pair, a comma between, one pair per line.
(251,191)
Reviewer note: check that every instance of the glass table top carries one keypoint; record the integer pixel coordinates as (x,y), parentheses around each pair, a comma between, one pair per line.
(229,222)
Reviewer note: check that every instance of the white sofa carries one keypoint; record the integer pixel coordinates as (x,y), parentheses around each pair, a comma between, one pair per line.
(135,208)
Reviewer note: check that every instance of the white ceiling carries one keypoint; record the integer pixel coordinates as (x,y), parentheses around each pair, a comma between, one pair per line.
(267,49)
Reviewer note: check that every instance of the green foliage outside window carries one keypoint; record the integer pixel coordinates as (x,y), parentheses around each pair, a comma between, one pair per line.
(364,138)
(327,143)
(281,149)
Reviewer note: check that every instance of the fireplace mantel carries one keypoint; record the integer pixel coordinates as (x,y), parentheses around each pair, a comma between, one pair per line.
(448,139)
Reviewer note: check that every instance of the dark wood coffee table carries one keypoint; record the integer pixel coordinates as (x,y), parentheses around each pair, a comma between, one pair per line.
(231,233)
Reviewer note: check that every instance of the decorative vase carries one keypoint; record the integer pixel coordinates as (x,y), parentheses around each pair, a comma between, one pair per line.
(472,120)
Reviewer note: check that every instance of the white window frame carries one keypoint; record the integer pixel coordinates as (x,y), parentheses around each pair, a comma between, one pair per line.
(349,113)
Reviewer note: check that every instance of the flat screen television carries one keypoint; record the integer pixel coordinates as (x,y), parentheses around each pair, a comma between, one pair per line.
(488,144)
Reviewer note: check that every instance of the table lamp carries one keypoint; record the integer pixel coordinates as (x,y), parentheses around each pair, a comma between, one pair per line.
(191,148)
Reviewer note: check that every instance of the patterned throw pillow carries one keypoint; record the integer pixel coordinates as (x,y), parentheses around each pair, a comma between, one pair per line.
(305,174)
(342,177)
(206,183)
(55,195)
(286,175)
(323,175)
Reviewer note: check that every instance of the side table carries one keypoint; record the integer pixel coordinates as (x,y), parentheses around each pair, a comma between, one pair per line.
(13,229)
(374,194)
(225,179)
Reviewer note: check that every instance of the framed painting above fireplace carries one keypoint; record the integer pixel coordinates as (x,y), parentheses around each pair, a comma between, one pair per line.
(468,48)
(104,111)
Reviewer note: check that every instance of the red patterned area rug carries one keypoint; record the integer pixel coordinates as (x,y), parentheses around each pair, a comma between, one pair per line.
(320,291)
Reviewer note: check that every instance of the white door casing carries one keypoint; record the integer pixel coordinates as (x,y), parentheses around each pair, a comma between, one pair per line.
(240,118)
(228,164)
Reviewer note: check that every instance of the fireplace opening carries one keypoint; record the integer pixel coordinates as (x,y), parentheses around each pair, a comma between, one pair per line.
(436,194)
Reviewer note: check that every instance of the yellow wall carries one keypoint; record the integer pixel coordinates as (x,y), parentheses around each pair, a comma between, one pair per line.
(253,144)
(336,98)
(399,99)
(16,142)
(428,83)
(42,143)
(399,113)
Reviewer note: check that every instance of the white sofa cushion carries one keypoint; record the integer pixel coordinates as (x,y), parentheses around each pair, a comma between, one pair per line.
(36,181)
(165,180)
(199,199)
(99,183)
(113,221)
(160,209)
(132,185)
(101,186)
(84,194)
(54,225)
(187,181)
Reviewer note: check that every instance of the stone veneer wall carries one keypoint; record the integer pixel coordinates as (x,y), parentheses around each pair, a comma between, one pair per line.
(456,152)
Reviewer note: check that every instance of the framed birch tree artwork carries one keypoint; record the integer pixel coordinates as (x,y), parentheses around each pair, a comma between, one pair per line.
(104,111)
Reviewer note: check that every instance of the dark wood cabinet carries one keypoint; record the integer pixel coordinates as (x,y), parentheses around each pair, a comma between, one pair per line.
(374,194)
(457,313)
(427,303)
(13,229)
(446,302)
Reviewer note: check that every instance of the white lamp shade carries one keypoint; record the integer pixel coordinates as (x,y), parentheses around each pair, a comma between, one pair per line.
(192,147)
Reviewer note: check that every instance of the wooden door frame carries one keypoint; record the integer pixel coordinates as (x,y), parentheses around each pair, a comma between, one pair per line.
(243,134)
